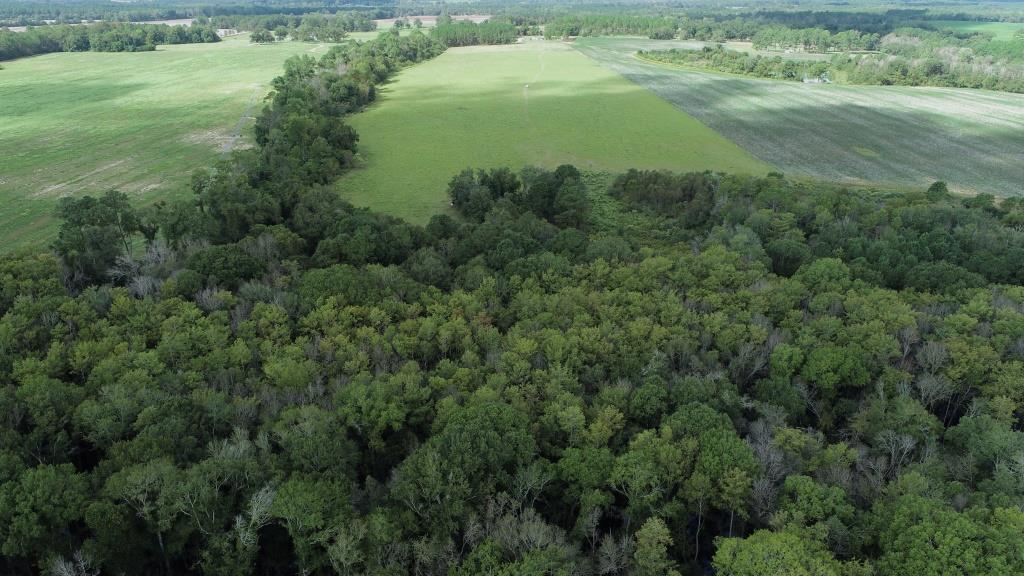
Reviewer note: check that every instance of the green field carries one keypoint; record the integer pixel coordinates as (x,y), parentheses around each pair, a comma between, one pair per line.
(888,135)
(84,122)
(532,103)
(1001,30)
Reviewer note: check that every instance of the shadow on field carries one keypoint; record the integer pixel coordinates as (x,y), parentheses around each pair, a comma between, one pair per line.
(896,135)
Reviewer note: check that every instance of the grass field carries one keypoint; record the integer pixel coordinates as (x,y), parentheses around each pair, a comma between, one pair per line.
(1001,30)
(532,103)
(77,123)
(894,136)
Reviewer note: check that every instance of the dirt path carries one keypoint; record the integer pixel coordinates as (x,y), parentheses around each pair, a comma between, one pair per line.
(236,132)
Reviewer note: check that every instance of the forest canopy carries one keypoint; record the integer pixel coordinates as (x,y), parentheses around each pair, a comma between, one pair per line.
(650,373)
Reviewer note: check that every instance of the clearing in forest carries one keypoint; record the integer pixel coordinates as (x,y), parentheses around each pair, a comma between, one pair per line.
(83,122)
(999,30)
(894,136)
(535,102)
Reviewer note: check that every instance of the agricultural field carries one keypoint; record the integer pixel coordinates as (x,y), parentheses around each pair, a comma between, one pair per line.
(536,102)
(1000,30)
(84,122)
(431,20)
(887,135)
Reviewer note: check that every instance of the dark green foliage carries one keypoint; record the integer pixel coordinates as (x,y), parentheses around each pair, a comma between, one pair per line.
(101,37)
(733,393)
(261,37)
(465,33)
(224,266)
(559,195)
(929,241)
(909,57)
(95,232)
(324,27)
(664,191)
(754,374)
(735,62)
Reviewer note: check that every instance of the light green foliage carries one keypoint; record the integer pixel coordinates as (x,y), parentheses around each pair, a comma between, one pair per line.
(38,507)
(651,556)
(920,534)
(765,553)
(804,501)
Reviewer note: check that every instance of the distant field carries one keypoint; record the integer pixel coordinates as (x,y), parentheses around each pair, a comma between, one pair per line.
(898,136)
(431,20)
(532,103)
(84,122)
(1001,30)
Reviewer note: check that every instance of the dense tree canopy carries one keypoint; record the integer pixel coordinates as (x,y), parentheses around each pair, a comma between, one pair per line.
(571,373)
(101,37)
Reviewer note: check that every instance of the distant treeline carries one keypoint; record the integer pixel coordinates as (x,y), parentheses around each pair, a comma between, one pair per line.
(100,37)
(717,27)
(834,21)
(914,57)
(807,30)
(607,24)
(17,13)
(734,62)
(922,67)
(813,39)
(319,27)
(466,33)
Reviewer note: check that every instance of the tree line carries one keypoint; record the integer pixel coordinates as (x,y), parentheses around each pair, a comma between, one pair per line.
(99,37)
(313,27)
(897,47)
(35,13)
(721,59)
(466,33)
(907,57)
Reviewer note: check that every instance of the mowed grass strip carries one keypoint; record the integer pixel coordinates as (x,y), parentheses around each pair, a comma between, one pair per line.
(894,136)
(82,123)
(535,103)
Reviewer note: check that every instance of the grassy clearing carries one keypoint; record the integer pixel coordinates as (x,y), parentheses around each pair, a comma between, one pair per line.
(893,136)
(532,103)
(77,123)
(1001,30)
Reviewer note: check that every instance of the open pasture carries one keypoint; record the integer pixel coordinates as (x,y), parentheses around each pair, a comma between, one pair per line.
(536,102)
(84,122)
(888,135)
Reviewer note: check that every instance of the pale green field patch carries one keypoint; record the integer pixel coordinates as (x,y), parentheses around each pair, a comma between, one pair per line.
(537,102)
(84,122)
